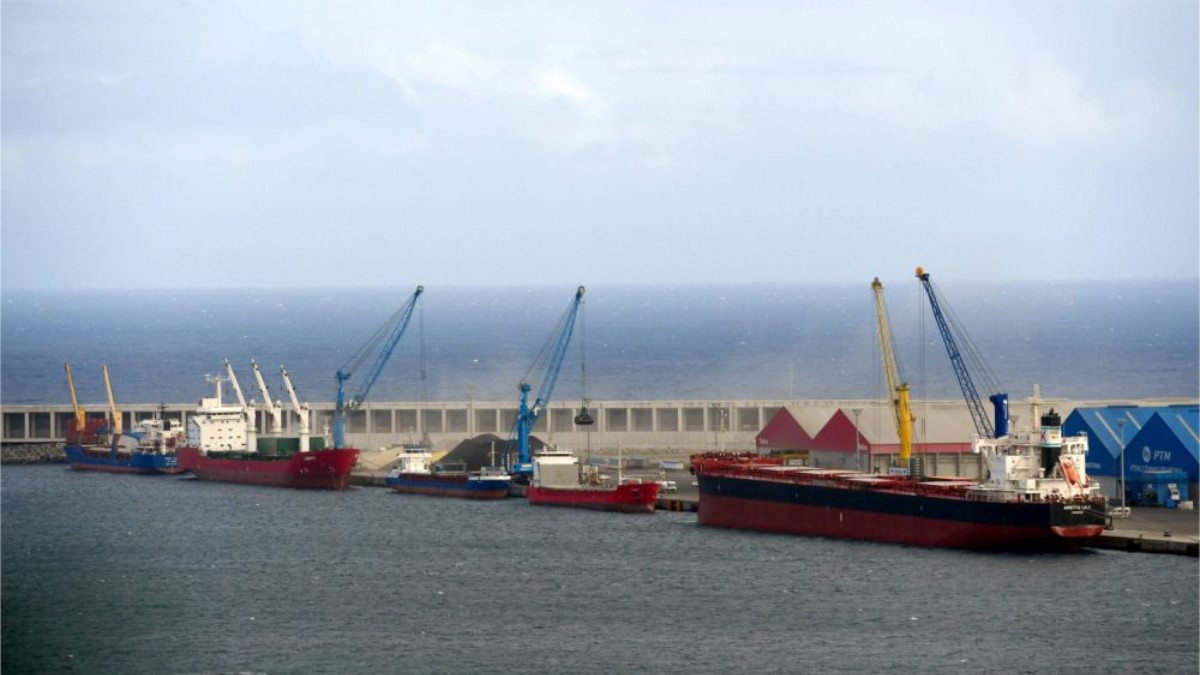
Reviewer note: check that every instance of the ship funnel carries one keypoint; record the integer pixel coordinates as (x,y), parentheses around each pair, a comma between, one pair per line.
(1051,441)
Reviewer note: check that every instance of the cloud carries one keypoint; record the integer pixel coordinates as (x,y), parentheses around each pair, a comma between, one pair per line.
(1046,102)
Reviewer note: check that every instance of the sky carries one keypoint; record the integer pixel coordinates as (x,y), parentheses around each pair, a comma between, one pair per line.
(206,144)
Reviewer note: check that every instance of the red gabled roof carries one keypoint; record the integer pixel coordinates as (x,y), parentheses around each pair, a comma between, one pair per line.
(783,432)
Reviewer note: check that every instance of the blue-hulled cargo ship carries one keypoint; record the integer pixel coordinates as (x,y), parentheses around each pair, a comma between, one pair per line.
(415,473)
(104,445)
(148,448)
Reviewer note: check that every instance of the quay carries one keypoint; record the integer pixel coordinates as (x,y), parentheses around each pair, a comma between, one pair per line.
(1146,530)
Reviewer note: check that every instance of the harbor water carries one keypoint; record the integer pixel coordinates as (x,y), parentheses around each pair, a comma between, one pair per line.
(137,574)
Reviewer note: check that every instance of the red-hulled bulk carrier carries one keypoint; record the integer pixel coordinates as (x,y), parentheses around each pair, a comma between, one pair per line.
(557,482)
(1038,497)
(222,445)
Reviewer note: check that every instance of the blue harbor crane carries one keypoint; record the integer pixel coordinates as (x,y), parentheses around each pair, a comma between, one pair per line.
(381,344)
(948,326)
(544,372)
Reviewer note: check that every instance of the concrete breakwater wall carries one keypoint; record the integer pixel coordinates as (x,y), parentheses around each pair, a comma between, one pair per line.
(31,453)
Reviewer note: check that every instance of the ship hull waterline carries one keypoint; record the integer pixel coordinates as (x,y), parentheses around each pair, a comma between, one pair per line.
(630,498)
(448,486)
(102,460)
(327,469)
(894,518)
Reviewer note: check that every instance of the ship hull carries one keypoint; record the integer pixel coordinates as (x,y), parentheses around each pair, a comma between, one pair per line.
(895,517)
(454,485)
(327,469)
(104,460)
(629,498)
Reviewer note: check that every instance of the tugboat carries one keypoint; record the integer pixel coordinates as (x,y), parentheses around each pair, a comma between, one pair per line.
(104,445)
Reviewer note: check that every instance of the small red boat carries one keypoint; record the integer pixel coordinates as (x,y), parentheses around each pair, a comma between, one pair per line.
(557,482)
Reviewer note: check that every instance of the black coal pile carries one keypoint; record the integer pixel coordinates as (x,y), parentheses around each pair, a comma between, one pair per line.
(475,453)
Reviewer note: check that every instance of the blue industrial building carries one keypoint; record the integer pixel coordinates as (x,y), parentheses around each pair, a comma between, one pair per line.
(1167,433)
(1104,434)
(1162,461)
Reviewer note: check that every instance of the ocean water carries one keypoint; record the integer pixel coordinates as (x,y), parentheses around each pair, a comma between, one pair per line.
(1077,340)
(135,574)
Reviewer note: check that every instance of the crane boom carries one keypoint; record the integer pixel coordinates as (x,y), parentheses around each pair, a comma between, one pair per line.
(118,424)
(247,410)
(80,415)
(545,370)
(898,391)
(301,410)
(273,407)
(382,344)
(237,389)
(983,425)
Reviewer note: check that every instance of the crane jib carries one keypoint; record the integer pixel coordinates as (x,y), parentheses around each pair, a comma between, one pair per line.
(382,344)
(983,425)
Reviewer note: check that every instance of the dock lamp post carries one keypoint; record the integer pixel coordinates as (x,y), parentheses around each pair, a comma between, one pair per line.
(857,447)
(1121,426)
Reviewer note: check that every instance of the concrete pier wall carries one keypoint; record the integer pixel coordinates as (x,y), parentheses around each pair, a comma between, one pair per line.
(633,425)
(666,427)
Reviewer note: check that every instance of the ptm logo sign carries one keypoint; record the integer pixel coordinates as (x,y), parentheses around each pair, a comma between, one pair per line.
(1149,455)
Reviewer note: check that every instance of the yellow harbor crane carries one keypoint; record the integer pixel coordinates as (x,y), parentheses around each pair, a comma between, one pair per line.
(80,416)
(898,391)
(117,422)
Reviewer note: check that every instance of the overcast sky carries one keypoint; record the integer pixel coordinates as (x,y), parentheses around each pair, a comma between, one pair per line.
(218,144)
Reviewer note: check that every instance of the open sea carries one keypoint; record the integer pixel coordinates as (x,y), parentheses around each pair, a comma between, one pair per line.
(134,574)
(1077,340)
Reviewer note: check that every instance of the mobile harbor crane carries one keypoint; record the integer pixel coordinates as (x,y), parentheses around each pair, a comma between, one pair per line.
(544,372)
(898,391)
(948,326)
(381,344)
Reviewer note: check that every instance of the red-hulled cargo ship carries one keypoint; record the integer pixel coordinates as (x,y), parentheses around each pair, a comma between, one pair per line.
(627,498)
(222,445)
(327,469)
(1038,498)
(557,482)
